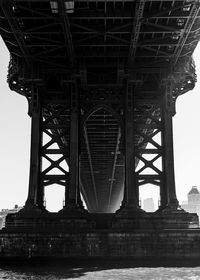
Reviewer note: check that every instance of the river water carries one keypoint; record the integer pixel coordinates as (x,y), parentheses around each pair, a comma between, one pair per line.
(36,272)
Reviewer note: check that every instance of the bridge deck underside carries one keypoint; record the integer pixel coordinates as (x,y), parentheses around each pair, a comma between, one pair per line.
(102,43)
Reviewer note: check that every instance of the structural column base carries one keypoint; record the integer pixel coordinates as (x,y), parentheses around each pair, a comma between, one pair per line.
(73,210)
(172,207)
(130,217)
(171,217)
(30,207)
(130,211)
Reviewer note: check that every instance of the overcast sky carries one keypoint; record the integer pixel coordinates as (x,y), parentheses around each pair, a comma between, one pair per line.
(15,141)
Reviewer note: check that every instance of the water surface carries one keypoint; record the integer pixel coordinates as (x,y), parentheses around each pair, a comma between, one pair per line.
(38,272)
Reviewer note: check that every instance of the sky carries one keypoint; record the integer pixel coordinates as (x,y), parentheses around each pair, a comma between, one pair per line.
(15,125)
(186,125)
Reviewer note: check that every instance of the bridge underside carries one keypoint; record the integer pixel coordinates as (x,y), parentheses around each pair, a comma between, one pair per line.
(101,79)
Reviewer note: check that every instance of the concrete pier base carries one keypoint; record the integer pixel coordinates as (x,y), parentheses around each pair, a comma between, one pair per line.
(48,235)
(38,221)
(138,244)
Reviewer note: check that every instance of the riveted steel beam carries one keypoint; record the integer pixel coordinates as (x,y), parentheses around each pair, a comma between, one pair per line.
(66,31)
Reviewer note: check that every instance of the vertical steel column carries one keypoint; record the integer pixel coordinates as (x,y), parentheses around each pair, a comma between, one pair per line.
(169,177)
(163,189)
(31,201)
(71,198)
(40,196)
(131,194)
(163,196)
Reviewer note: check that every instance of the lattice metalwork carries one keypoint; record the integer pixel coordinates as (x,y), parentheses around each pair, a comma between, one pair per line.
(54,152)
(55,127)
(149,150)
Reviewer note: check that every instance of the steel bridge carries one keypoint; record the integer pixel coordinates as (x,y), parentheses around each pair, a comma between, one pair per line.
(101,78)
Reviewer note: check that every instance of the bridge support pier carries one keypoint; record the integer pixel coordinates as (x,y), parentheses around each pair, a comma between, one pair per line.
(140,115)
(164,176)
(150,119)
(34,181)
(73,204)
(130,203)
(55,151)
(168,160)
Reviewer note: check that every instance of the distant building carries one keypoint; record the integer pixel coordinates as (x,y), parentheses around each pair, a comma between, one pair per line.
(5,212)
(193,203)
(148,205)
